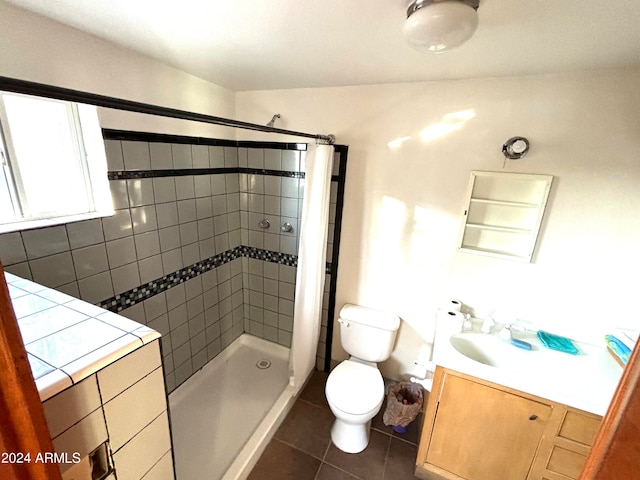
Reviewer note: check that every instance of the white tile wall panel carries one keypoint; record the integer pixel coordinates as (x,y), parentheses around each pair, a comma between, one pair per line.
(12,249)
(142,452)
(134,408)
(72,405)
(216,157)
(181,155)
(125,277)
(119,195)
(232,156)
(140,192)
(136,155)
(155,306)
(118,225)
(185,187)
(90,260)
(45,241)
(200,155)
(113,151)
(150,268)
(170,236)
(53,270)
(83,437)
(164,189)
(273,159)
(147,244)
(144,219)
(202,186)
(115,378)
(161,158)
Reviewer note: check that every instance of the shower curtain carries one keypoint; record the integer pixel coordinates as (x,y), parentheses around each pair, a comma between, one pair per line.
(310,277)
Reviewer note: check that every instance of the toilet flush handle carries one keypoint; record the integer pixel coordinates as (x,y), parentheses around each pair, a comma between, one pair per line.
(344,322)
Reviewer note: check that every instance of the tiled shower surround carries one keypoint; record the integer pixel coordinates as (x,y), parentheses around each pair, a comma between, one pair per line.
(184,252)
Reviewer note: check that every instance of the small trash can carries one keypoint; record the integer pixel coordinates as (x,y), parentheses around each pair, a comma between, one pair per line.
(404,402)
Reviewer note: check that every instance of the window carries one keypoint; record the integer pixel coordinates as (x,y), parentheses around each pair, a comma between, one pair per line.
(54,168)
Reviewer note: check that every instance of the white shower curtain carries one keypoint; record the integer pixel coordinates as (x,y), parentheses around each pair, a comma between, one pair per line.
(307,314)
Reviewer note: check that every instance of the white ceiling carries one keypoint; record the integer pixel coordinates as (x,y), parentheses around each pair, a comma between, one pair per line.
(279,44)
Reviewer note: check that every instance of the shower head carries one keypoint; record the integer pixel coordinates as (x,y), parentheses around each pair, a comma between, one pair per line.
(272,122)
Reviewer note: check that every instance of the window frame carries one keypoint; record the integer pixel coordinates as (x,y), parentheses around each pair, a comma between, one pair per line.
(90,164)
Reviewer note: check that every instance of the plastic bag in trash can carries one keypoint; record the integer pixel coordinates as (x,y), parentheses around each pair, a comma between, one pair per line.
(404,402)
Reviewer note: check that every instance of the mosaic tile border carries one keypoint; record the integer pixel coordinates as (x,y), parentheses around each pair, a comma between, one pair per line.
(141,293)
(137,174)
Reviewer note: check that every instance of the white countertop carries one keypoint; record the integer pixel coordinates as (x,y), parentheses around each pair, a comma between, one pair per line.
(586,381)
(68,339)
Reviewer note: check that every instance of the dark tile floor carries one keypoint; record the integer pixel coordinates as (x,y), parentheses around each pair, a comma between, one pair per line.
(302,450)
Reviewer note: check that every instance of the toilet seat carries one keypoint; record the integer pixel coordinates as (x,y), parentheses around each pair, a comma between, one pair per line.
(355,388)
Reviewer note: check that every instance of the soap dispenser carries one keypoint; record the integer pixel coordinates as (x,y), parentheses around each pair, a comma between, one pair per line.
(487,323)
(467,326)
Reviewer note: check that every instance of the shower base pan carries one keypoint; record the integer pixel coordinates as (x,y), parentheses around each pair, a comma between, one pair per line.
(224,415)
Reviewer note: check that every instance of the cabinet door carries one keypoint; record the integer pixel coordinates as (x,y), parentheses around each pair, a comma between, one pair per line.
(482,433)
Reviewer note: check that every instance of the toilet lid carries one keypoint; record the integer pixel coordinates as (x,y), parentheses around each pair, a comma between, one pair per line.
(354,387)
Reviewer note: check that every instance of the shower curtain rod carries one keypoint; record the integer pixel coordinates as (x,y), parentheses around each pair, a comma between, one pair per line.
(59,93)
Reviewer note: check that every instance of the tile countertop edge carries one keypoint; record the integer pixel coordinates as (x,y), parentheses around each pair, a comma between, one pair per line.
(584,382)
(53,383)
(134,335)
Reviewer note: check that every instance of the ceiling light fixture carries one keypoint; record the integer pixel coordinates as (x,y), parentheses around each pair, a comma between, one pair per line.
(440,25)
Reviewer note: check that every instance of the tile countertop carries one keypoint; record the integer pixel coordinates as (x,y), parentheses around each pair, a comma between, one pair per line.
(586,381)
(68,339)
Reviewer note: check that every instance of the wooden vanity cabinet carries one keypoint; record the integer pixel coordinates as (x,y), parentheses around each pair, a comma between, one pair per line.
(476,430)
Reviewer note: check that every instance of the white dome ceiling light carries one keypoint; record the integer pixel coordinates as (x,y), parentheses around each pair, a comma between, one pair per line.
(438,26)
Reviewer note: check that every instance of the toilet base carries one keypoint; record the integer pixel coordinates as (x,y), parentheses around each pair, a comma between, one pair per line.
(349,437)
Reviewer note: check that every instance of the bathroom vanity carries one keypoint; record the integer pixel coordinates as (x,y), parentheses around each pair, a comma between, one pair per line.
(479,430)
(499,412)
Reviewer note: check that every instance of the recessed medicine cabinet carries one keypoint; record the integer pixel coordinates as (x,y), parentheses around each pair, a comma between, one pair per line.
(503,213)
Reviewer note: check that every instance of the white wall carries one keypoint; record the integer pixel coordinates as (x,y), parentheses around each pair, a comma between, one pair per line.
(403,205)
(40,50)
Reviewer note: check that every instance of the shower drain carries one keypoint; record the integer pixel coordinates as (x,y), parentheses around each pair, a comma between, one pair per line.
(262,364)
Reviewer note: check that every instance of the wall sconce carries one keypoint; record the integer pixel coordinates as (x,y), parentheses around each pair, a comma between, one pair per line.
(515,148)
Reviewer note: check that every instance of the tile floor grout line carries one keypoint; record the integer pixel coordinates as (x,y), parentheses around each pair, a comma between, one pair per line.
(404,440)
(326,450)
(324,461)
(289,444)
(389,434)
(386,459)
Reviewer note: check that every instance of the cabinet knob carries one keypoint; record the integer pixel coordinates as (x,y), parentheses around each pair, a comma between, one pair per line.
(533,417)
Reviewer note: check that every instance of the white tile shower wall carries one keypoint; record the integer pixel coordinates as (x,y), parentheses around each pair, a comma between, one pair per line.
(269,288)
(107,406)
(270,200)
(166,223)
(160,226)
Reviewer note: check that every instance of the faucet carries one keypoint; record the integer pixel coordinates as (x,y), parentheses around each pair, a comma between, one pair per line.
(487,323)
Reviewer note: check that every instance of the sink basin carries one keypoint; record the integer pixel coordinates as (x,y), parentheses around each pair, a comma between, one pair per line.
(490,350)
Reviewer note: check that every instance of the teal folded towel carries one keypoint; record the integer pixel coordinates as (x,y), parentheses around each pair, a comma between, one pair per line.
(618,348)
(556,342)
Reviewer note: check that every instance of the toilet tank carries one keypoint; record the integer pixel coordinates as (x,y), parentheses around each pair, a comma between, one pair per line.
(367,334)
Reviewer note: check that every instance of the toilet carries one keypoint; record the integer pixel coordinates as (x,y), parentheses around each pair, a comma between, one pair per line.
(355,389)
